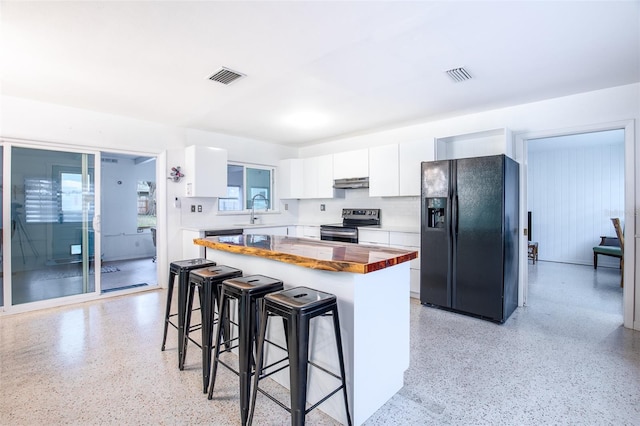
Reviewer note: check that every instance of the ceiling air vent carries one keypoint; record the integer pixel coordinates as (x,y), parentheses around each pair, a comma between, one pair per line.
(226,76)
(458,74)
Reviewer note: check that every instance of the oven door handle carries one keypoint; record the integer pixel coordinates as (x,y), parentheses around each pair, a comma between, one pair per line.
(338,233)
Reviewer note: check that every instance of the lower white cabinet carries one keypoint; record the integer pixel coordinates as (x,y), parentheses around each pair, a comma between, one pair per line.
(309,232)
(190,250)
(409,241)
(376,238)
(270,230)
(401,240)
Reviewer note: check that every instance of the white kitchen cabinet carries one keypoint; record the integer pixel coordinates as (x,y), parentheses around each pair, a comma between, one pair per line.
(414,283)
(311,232)
(409,241)
(266,230)
(376,238)
(351,164)
(317,177)
(290,178)
(190,250)
(477,144)
(384,171)
(410,156)
(205,171)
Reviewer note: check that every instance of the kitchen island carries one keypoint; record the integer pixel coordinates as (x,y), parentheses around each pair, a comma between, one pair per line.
(372,287)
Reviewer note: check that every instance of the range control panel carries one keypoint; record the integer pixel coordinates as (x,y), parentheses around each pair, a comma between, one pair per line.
(358,214)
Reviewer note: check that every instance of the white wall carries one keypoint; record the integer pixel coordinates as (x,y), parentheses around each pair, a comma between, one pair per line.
(575,185)
(602,106)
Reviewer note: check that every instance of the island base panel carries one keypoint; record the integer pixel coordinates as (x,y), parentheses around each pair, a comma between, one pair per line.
(374,322)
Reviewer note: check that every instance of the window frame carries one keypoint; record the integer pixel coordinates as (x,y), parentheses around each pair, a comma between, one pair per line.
(243,190)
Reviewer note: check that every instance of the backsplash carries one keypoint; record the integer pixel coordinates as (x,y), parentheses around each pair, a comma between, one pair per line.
(395,211)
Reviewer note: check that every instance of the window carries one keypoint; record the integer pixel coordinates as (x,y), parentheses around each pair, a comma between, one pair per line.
(146,204)
(245,185)
(55,200)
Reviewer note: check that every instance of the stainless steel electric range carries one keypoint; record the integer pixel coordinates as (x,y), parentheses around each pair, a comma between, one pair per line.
(347,231)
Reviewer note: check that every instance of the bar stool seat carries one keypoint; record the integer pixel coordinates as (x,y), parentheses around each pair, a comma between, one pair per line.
(208,281)
(248,292)
(181,268)
(297,306)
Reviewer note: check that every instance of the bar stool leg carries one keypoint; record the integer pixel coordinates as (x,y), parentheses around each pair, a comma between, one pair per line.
(336,326)
(183,285)
(207,301)
(246,319)
(187,323)
(259,359)
(167,312)
(298,356)
(223,313)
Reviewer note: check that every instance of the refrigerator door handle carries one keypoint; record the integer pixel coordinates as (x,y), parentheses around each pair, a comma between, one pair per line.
(455,215)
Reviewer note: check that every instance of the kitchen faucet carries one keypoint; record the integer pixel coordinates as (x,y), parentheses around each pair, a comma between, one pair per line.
(253,207)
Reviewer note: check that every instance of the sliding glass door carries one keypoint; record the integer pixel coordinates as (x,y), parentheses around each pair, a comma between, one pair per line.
(52,235)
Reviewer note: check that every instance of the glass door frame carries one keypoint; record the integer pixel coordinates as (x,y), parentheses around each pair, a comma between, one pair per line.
(8,306)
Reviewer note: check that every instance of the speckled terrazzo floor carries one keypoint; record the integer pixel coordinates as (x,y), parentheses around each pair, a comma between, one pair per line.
(563,359)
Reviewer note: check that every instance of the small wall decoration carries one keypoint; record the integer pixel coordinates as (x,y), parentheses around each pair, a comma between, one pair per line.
(175,174)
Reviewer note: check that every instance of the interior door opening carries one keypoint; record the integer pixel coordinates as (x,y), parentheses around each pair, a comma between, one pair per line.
(128,222)
(575,186)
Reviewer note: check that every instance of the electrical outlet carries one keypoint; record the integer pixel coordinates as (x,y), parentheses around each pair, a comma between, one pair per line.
(286,206)
(193,208)
(322,207)
(199,208)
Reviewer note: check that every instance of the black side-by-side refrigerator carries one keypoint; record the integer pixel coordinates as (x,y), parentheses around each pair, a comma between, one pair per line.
(469,236)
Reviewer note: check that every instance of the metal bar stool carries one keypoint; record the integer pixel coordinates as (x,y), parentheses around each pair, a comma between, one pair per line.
(248,291)
(298,306)
(208,281)
(181,268)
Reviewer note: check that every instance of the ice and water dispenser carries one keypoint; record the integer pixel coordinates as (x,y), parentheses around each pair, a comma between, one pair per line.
(436,212)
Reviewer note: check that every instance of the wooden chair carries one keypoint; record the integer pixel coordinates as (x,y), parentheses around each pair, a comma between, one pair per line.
(620,234)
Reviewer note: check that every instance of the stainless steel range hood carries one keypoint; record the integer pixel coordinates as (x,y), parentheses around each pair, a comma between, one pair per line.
(351,183)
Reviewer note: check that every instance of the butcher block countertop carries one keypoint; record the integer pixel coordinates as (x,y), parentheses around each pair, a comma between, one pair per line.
(310,253)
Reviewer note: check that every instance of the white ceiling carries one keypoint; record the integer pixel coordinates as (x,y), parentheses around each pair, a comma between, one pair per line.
(361,66)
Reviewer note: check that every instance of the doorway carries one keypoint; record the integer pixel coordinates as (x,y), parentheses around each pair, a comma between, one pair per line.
(128,222)
(627,127)
(53,249)
(575,186)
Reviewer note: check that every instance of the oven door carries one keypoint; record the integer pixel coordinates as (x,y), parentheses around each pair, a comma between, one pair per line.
(339,233)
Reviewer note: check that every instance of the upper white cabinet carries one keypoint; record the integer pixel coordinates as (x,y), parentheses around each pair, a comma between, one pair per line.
(478,144)
(205,171)
(317,177)
(290,178)
(410,155)
(384,177)
(351,164)
(394,170)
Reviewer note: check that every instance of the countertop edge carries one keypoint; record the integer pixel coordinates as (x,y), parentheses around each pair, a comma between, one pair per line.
(307,262)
